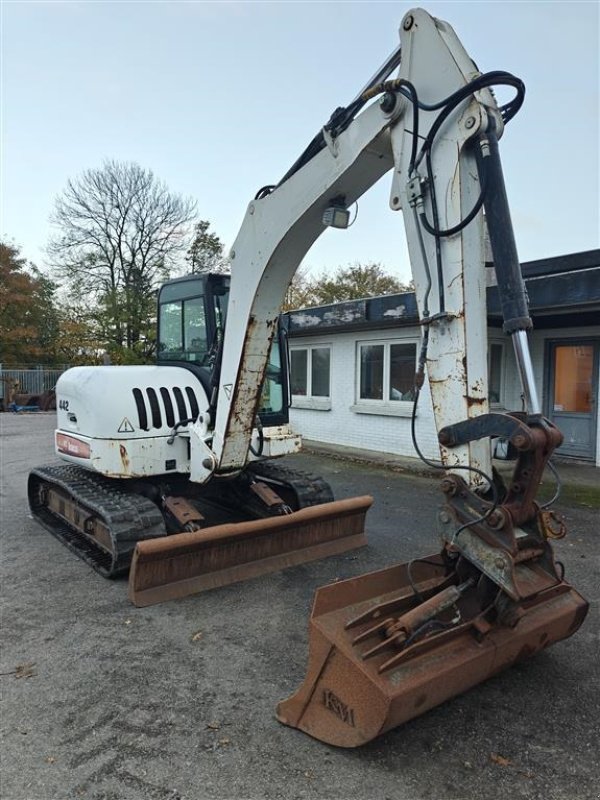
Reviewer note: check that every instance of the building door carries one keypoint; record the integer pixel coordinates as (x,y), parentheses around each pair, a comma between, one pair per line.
(572,395)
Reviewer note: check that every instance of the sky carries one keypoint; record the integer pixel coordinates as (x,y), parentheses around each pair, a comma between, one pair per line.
(220,98)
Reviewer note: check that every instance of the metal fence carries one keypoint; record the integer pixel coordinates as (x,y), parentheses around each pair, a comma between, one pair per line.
(32,380)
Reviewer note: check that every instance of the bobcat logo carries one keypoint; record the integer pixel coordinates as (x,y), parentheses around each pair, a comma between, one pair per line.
(341,710)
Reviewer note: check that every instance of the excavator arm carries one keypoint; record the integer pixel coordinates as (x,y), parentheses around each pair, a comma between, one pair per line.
(436,127)
(387,646)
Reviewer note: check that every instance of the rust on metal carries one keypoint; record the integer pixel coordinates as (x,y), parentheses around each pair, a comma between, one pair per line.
(186,514)
(267,495)
(245,396)
(553,524)
(176,566)
(347,700)
(124,458)
(69,510)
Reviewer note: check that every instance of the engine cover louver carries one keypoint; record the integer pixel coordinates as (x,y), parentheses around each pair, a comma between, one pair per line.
(165,407)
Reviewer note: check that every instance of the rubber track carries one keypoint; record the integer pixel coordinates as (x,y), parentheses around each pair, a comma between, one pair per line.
(129,517)
(310,490)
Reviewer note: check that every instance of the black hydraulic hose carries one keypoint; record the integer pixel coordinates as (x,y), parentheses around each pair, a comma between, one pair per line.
(432,229)
(176,427)
(415,131)
(484,81)
(439,465)
(468,468)
(438,244)
(427,627)
(558,489)
(264,191)
(447,106)
(407,89)
(342,117)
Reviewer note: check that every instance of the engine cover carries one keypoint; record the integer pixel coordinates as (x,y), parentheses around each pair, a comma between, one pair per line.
(118,420)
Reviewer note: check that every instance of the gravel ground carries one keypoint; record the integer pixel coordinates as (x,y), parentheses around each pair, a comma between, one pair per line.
(177,701)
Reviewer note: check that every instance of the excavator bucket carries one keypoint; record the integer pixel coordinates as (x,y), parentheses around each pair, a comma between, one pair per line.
(187,563)
(365,676)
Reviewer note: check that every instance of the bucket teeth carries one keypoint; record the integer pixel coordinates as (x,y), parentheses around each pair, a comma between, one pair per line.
(380,627)
(397,640)
(426,589)
(389,663)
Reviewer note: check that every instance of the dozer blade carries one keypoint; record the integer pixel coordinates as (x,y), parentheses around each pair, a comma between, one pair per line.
(356,690)
(187,563)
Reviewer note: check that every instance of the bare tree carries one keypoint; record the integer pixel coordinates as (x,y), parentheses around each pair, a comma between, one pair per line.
(119,233)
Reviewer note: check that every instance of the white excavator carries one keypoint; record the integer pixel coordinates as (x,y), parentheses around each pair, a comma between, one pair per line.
(153,449)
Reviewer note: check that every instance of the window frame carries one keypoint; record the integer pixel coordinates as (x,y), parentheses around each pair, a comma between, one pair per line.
(310,401)
(386,406)
(184,353)
(500,403)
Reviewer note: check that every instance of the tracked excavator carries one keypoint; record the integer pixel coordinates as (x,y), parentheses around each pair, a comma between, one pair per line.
(162,473)
(174,463)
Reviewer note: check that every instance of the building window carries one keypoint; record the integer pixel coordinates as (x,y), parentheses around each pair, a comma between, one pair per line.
(310,376)
(299,372)
(386,376)
(403,358)
(495,372)
(371,372)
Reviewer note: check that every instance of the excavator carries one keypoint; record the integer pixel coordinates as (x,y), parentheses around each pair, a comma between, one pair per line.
(189,444)
(145,480)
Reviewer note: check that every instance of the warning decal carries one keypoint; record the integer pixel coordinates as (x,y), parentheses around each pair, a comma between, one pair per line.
(125,426)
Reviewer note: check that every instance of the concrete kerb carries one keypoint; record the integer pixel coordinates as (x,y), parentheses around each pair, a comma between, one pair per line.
(573,474)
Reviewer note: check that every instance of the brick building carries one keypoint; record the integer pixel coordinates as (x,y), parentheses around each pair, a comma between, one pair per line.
(352,363)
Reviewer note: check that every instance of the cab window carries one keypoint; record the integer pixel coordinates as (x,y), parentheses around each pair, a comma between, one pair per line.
(182,326)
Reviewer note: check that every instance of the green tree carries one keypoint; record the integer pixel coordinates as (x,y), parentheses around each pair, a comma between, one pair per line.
(352,282)
(206,251)
(120,232)
(79,340)
(300,293)
(29,321)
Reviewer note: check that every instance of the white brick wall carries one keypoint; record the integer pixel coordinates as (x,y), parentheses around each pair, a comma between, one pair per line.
(391,434)
(342,425)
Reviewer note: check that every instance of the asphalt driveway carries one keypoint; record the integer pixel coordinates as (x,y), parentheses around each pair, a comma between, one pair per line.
(102,700)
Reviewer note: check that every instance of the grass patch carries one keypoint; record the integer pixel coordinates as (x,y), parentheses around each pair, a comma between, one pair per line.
(572,495)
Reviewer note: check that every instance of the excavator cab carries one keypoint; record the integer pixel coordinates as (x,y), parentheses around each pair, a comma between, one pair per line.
(192,314)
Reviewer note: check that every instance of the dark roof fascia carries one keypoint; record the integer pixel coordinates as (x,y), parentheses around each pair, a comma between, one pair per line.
(574,262)
(566,291)
(562,293)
